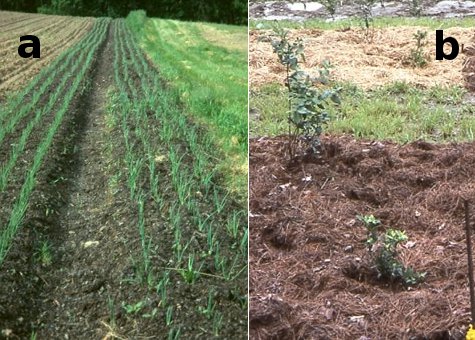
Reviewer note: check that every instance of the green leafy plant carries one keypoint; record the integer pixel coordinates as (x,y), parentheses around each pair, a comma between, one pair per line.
(133,309)
(308,98)
(417,58)
(371,223)
(190,274)
(366,16)
(416,8)
(384,252)
(331,6)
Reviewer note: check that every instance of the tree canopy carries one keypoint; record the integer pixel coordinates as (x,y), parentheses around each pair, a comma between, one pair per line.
(222,11)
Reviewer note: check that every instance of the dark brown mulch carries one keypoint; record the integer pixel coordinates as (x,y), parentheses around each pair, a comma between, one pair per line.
(311,275)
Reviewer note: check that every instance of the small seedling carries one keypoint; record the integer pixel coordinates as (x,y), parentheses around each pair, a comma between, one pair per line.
(152,314)
(383,249)
(133,309)
(210,306)
(217,323)
(111,308)
(44,253)
(174,333)
(189,274)
(162,288)
(169,316)
(417,58)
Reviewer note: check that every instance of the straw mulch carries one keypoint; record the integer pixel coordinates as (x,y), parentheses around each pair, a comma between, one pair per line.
(378,61)
(469,66)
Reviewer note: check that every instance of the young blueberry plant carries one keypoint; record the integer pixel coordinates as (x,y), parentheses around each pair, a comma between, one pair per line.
(331,6)
(383,248)
(366,15)
(417,58)
(416,8)
(308,97)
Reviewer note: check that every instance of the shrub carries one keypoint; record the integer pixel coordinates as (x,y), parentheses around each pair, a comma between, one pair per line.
(308,96)
(331,6)
(136,21)
(417,58)
(384,253)
(366,15)
(416,8)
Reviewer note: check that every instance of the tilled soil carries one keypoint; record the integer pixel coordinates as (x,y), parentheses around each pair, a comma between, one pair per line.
(81,209)
(56,33)
(311,276)
(69,207)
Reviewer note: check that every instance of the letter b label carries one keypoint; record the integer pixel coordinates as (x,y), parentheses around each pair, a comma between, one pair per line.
(439,46)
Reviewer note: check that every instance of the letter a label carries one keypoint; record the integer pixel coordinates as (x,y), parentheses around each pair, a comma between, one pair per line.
(34,45)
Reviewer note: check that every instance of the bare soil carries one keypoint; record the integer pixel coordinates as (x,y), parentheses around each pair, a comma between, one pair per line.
(310,273)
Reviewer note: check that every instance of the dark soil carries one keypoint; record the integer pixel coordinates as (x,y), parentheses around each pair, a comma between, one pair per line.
(67,208)
(311,276)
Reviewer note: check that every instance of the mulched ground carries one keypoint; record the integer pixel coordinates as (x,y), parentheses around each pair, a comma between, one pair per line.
(468,70)
(384,61)
(311,276)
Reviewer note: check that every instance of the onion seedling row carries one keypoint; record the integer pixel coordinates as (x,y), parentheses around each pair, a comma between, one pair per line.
(171,175)
(19,208)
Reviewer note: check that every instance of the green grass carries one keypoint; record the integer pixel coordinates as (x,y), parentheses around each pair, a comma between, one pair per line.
(209,80)
(397,111)
(380,22)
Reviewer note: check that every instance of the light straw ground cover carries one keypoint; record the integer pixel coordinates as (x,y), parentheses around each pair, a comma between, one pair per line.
(384,95)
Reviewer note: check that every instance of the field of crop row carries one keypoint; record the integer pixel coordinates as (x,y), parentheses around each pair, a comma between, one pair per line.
(29,123)
(56,33)
(116,213)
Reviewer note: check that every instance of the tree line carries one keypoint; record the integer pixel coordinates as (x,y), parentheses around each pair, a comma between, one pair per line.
(221,11)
